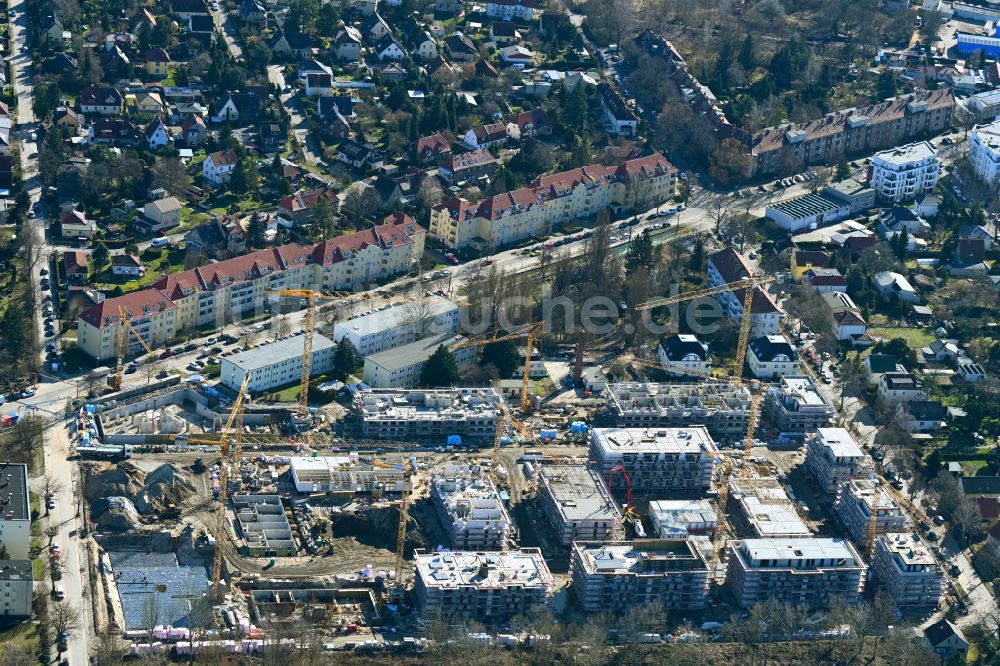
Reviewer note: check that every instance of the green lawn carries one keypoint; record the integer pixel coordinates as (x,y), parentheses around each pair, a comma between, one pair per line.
(916,338)
(157,262)
(23,635)
(38,568)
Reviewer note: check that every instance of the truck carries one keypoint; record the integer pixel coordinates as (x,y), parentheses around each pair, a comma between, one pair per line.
(105,452)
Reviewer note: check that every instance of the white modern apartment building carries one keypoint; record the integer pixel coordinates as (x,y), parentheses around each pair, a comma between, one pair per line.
(765,506)
(398,325)
(856,502)
(621,575)
(656,459)
(223,291)
(798,406)
(984,152)
(811,572)
(481,585)
(400,367)
(676,519)
(470,508)
(721,407)
(576,502)
(276,363)
(470,413)
(903,566)
(343,475)
(16,587)
(833,457)
(904,172)
(15,514)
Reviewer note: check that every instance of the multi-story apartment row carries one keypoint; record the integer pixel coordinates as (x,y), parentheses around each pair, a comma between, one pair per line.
(224,290)
(857,500)
(728,266)
(660,459)
(904,172)
(787,148)
(798,406)
(618,576)
(833,457)
(398,325)
(470,508)
(469,413)
(15,512)
(552,200)
(722,408)
(984,152)
(766,508)
(803,571)
(903,566)
(481,585)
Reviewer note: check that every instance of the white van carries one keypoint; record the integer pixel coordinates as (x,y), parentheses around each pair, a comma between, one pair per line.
(160,242)
(59,592)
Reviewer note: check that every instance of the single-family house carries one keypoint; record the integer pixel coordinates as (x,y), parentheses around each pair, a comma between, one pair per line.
(468,167)
(895,387)
(848,323)
(194,131)
(74,224)
(533,123)
(292,45)
(517,56)
(201,26)
(318,84)
(504,32)
(387,48)
(804,260)
(823,280)
(74,266)
(301,206)
(161,214)
(357,155)
(423,45)
(347,44)
(684,355)
(114,132)
(947,640)
(157,134)
(102,100)
(509,10)
(431,148)
(157,62)
(253,11)
(772,356)
(272,136)
(877,365)
(619,118)
(218,166)
(460,48)
(921,415)
(238,106)
(375,28)
(486,136)
(894,285)
(127,264)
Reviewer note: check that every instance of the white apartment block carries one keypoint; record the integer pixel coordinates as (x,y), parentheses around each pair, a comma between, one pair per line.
(905,172)
(343,475)
(618,576)
(224,291)
(398,325)
(856,501)
(798,406)
(676,519)
(722,408)
(576,502)
(276,363)
(656,459)
(469,413)
(481,585)
(16,587)
(984,152)
(15,512)
(811,572)
(401,367)
(833,457)
(552,200)
(765,506)
(470,508)
(905,569)
(897,387)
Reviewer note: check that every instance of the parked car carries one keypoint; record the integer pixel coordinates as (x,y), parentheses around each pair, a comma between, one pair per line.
(167,353)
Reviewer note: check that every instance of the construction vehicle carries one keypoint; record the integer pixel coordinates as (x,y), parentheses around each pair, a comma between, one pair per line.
(628,513)
(530,334)
(230,459)
(124,326)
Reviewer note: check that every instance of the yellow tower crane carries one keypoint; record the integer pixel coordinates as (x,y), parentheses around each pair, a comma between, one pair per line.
(229,459)
(309,327)
(530,334)
(124,326)
(404,515)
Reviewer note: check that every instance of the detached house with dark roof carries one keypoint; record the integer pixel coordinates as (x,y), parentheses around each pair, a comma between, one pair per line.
(619,118)
(460,48)
(234,107)
(292,45)
(100,100)
(684,356)
(114,132)
(347,44)
(431,148)
(727,266)
(772,356)
(469,167)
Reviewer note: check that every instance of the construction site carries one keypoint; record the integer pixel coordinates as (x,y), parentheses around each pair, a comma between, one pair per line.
(227,514)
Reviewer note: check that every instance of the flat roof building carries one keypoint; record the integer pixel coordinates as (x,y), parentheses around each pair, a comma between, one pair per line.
(904,172)
(470,508)
(400,367)
(657,459)
(481,585)
(856,501)
(767,509)
(276,363)
(576,502)
(619,576)
(339,475)
(676,519)
(904,567)
(263,525)
(16,588)
(833,457)
(15,514)
(807,211)
(470,413)
(399,325)
(811,572)
(722,408)
(798,406)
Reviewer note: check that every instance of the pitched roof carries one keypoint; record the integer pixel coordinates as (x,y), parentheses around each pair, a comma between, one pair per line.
(881,363)
(136,304)
(157,55)
(74,262)
(732,265)
(816,258)
(534,119)
(223,158)
(307,199)
(680,347)
(99,96)
(435,144)
(927,410)
(980,485)
(469,160)
(126,260)
(941,631)
(768,347)
(165,205)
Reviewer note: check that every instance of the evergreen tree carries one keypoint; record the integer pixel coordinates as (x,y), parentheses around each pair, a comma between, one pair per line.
(345,360)
(842,170)
(747,58)
(256,229)
(440,369)
(641,252)
(886,84)
(900,244)
(503,356)
(100,256)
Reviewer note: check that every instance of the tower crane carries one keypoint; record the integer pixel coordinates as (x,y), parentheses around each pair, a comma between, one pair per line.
(530,334)
(227,462)
(404,516)
(872,527)
(309,327)
(124,326)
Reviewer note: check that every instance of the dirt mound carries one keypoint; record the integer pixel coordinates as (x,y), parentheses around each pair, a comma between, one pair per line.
(164,485)
(114,514)
(122,480)
(376,527)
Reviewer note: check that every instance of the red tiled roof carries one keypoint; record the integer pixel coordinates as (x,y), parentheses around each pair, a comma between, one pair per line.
(137,304)
(308,199)
(989,507)
(74,262)
(435,144)
(223,158)
(732,266)
(495,206)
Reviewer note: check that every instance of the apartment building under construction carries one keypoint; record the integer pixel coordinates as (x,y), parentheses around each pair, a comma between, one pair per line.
(721,407)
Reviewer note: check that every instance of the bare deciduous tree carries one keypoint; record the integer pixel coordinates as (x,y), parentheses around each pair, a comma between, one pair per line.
(64,619)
